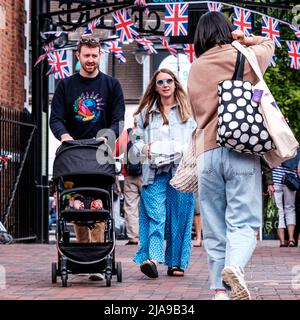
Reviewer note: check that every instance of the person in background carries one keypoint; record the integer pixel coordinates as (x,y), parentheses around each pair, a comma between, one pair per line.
(297,228)
(118,208)
(132,172)
(165,127)
(52,210)
(229,182)
(285,199)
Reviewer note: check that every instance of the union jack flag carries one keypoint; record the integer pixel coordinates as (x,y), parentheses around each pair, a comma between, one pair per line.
(147,45)
(91,27)
(242,20)
(176,19)
(273,61)
(270,28)
(124,25)
(296,31)
(115,47)
(189,51)
(58,64)
(214,6)
(47,48)
(171,47)
(294,54)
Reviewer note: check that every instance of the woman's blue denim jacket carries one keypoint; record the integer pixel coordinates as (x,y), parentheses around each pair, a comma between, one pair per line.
(179,131)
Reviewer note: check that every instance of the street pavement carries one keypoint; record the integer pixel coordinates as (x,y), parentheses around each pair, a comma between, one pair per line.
(25,274)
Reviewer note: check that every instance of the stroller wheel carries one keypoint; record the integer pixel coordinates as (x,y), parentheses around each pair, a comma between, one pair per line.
(5,238)
(119,271)
(108,270)
(64,278)
(54,272)
(108,280)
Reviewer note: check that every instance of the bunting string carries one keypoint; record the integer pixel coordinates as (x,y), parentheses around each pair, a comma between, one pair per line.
(176,24)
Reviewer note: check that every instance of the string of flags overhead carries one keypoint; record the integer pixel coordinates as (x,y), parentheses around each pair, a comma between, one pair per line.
(115,48)
(176,24)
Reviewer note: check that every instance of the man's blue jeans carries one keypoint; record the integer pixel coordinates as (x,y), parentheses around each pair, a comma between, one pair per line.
(231,208)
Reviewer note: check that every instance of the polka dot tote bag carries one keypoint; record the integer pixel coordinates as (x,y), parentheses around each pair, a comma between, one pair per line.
(240,122)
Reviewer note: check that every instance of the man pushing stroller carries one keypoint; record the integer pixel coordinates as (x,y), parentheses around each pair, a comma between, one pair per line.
(84,104)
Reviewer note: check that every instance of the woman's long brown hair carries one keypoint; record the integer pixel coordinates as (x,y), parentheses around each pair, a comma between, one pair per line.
(151,96)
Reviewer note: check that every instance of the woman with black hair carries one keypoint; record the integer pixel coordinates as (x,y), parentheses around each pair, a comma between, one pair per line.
(229,182)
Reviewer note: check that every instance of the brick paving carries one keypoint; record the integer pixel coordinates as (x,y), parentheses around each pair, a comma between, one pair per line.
(25,274)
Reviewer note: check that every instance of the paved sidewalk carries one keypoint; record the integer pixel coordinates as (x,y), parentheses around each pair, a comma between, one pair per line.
(25,274)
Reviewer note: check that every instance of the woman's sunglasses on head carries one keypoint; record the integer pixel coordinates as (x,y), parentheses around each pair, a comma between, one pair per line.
(167,81)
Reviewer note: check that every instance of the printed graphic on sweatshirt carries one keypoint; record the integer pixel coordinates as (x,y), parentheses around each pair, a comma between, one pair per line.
(88,107)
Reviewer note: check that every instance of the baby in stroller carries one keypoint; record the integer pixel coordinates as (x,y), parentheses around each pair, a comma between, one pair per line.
(77,202)
(87,234)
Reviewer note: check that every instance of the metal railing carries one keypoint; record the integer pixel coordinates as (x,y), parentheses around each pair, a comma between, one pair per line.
(17,173)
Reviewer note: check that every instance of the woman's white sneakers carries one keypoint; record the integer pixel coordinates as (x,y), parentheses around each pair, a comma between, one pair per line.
(233,276)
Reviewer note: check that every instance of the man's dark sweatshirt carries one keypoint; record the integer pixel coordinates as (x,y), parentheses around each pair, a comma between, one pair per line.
(82,106)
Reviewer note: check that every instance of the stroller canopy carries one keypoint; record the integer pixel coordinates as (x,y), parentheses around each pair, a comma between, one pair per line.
(84,157)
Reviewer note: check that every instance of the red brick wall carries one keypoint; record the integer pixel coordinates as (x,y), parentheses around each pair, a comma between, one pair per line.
(12,42)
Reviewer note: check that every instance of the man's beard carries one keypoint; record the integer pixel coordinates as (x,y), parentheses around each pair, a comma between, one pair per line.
(90,70)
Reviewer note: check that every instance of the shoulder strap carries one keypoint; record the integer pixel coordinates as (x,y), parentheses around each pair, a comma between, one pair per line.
(129,132)
(239,67)
(128,145)
(249,54)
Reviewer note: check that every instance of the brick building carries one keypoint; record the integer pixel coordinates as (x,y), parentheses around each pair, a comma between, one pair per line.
(15,123)
(12,53)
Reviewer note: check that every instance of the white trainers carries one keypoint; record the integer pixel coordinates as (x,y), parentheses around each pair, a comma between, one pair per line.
(96,276)
(233,276)
(220,295)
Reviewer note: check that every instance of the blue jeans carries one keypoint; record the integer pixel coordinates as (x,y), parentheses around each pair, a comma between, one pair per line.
(231,208)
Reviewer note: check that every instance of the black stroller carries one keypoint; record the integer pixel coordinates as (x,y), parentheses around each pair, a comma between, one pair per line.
(87,168)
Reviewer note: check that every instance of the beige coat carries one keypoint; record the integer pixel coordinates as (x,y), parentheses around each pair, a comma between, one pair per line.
(215,65)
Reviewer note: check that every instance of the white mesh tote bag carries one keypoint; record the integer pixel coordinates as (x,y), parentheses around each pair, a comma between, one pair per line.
(283,138)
